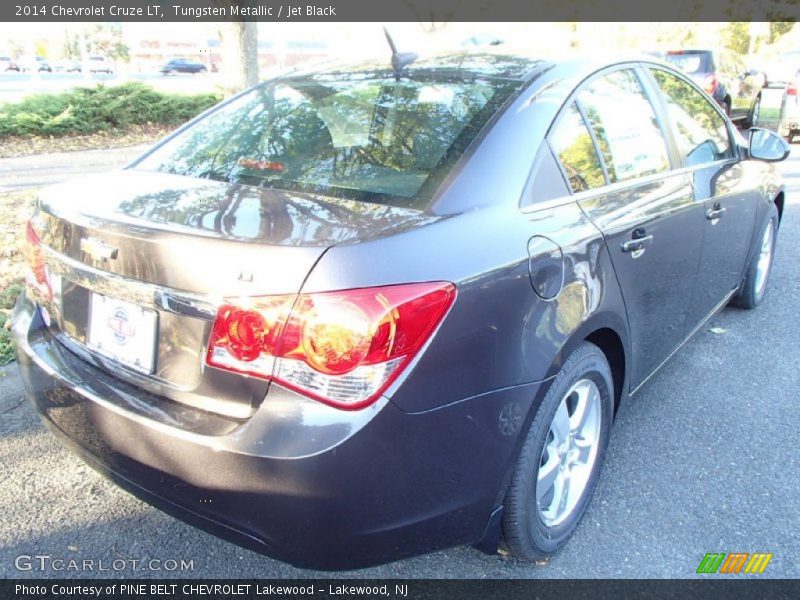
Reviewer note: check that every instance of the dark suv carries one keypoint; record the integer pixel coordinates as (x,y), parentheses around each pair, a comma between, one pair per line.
(724,77)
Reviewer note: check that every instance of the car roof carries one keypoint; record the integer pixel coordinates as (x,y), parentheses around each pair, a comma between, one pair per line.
(490,63)
(462,64)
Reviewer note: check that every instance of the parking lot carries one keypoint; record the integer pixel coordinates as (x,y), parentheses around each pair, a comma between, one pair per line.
(703,459)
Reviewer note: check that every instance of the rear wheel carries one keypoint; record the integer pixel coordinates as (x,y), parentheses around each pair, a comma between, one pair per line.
(754,287)
(726,106)
(755,113)
(560,460)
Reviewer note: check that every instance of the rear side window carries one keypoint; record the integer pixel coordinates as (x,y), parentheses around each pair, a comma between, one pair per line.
(691,62)
(573,146)
(701,133)
(625,126)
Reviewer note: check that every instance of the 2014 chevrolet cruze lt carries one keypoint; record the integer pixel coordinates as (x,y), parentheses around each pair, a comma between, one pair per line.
(363,313)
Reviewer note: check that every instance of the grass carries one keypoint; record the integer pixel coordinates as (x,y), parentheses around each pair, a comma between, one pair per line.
(7,352)
(15,209)
(83,111)
(769,116)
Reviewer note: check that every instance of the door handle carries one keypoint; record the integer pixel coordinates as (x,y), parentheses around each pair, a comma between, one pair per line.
(636,246)
(715,214)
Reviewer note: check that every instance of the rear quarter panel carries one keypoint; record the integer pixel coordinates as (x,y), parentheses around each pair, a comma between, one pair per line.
(499,333)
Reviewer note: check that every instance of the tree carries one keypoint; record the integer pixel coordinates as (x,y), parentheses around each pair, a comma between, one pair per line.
(778,29)
(239,55)
(736,37)
(72,45)
(106,39)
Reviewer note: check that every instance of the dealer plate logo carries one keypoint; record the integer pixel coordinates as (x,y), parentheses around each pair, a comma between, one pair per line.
(121,326)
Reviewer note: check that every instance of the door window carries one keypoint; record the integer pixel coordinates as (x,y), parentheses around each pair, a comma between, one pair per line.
(701,132)
(625,126)
(573,146)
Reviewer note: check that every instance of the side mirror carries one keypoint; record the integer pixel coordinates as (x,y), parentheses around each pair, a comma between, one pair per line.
(767,145)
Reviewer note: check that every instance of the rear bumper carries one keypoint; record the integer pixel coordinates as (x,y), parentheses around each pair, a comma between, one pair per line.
(298,481)
(790,118)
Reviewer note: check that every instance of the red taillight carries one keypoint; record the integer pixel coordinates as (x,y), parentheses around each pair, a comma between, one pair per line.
(791,89)
(343,348)
(36,276)
(710,84)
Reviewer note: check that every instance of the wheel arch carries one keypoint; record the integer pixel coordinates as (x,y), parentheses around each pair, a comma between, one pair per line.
(608,331)
(610,343)
(779,202)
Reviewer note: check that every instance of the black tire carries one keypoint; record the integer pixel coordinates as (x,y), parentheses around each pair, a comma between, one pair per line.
(751,292)
(526,534)
(755,111)
(726,106)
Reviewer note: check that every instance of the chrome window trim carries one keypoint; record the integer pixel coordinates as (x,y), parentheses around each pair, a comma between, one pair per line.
(622,186)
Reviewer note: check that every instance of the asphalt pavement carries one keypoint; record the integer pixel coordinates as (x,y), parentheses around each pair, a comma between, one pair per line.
(703,459)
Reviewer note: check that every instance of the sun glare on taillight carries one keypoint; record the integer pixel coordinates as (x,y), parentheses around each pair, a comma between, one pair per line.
(791,89)
(343,348)
(36,275)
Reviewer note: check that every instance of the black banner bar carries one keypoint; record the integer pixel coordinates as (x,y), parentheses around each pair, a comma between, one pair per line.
(396,10)
(712,588)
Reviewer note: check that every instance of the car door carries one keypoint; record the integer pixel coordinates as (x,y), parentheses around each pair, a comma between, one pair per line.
(618,163)
(729,202)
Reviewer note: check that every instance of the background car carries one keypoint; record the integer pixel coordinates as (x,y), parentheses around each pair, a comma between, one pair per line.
(480,40)
(68,65)
(725,78)
(99,64)
(789,120)
(37,64)
(8,64)
(783,69)
(182,65)
(373,311)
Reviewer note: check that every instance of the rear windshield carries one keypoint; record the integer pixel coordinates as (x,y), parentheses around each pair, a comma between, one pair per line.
(362,137)
(691,62)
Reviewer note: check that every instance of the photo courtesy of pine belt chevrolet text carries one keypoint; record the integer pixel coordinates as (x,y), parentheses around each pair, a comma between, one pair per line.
(372,310)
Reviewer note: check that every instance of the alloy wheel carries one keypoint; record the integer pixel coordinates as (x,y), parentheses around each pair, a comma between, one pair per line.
(570,453)
(765,257)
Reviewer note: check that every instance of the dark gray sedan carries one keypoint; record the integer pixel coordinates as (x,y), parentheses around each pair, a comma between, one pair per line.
(364,313)
(182,65)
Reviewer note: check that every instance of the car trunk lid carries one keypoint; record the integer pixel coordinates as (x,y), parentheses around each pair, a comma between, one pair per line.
(159,252)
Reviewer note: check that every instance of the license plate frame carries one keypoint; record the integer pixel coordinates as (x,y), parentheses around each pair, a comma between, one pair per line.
(123,332)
